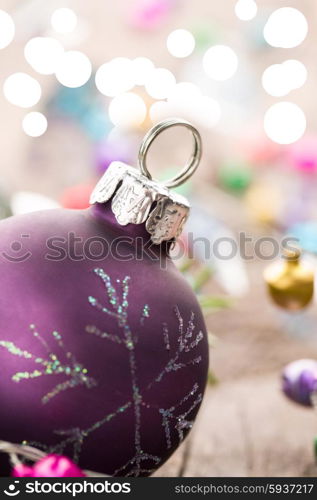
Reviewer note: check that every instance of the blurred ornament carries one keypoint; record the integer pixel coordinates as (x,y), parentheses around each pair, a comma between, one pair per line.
(236,178)
(95,123)
(299,380)
(73,102)
(290,281)
(258,149)
(112,150)
(205,35)
(23,202)
(83,105)
(76,197)
(264,202)
(149,14)
(306,235)
(303,154)
(49,466)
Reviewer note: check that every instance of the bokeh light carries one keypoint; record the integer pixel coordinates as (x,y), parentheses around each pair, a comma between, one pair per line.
(43,54)
(296,72)
(34,124)
(274,82)
(127,110)
(115,77)
(160,83)
(24,202)
(280,79)
(64,20)
(180,43)
(284,122)
(73,69)
(22,90)
(220,62)
(285,28)
(7,29)
(183,91)
(186,101)
(246,9)
(207,112)
(141,69)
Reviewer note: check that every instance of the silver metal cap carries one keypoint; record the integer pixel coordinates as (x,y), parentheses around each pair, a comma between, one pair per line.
(136,198)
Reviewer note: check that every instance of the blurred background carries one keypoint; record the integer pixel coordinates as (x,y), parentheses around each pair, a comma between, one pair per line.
(81,82)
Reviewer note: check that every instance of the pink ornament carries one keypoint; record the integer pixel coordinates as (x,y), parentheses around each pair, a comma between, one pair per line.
(303,154)
(76,197)
(148,14)
(49,466)
(21,470)
(258,149)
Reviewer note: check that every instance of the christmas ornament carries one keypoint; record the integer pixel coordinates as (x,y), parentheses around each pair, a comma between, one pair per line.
(264,201)
(149,14)
(303,154)
(236,178)
(300,381)
(49,466)
(306,235)
(290,282)
(103,346)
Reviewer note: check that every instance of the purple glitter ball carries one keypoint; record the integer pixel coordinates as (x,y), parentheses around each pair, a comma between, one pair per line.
(103,354)
(300,381)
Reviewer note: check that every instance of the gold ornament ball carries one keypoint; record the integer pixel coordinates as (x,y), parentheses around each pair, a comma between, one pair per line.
(290,281)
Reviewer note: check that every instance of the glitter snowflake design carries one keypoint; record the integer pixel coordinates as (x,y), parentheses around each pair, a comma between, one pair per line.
(75,373)
(174,419)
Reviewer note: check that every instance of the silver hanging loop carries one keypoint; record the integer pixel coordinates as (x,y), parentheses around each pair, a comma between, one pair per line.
(190,166)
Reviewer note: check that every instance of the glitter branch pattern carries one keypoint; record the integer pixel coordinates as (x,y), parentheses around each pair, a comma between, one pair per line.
(186,343)
(75,373)
(76,436)
(176,418)
(168,416)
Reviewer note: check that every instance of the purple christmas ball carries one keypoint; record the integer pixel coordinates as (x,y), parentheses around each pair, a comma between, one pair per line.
(103,346)
(300,381)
